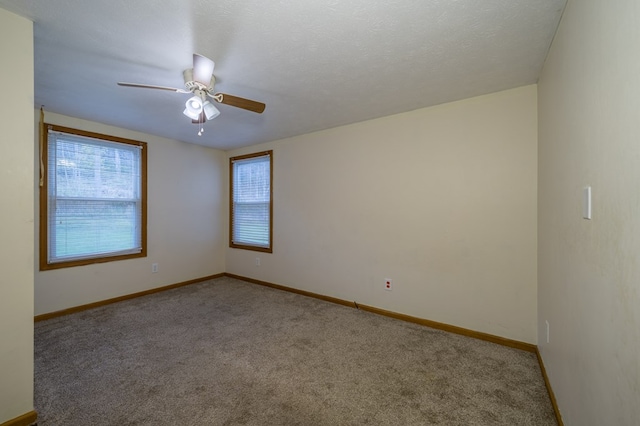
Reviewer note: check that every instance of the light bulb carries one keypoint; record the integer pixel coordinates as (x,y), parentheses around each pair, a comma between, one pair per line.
(193,107)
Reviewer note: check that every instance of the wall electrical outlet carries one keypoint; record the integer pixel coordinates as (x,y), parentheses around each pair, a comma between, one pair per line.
(257,261)
(154,267)
(387,284)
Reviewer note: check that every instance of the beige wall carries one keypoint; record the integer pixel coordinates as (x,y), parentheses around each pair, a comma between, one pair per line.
(16,216)
(441,200)
(589,270)
(187,231)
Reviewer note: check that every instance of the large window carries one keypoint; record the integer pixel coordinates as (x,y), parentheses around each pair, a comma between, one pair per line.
(92,198)
(251,202)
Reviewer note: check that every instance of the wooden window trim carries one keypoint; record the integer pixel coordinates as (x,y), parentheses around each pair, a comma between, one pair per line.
(245,246)
(44,205)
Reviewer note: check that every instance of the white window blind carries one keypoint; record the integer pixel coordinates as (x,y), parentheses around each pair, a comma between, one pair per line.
(94,198)
(251,201)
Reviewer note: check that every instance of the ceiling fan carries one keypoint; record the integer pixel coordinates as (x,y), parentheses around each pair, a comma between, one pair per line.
(200,81)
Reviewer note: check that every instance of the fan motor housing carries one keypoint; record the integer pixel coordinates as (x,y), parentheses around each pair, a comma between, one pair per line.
(192,85)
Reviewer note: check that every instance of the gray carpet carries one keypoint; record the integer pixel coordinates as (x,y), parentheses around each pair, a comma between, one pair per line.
(226,352)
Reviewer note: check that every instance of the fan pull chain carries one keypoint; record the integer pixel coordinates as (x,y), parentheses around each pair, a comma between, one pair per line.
(201,121)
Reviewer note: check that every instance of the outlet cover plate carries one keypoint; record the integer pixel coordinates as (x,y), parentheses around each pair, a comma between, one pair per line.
(388,284)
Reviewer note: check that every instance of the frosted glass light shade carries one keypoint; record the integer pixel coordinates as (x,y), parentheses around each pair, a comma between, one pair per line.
(210,111)
(193,107)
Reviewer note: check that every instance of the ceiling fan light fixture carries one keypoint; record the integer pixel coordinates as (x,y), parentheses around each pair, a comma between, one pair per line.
(210,111)
(193,107)
(199,81)
(190,114)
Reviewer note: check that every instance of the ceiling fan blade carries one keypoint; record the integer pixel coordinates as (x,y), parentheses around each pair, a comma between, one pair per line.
(150,86)
(243,103)
(202,69)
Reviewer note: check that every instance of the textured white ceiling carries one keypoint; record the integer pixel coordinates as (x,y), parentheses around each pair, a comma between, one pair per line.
(316,64)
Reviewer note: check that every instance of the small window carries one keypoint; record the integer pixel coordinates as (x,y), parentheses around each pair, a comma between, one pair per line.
(251,202)
(92,198)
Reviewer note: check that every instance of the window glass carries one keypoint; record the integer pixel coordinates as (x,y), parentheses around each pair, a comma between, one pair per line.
(251,201)
(94,206)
